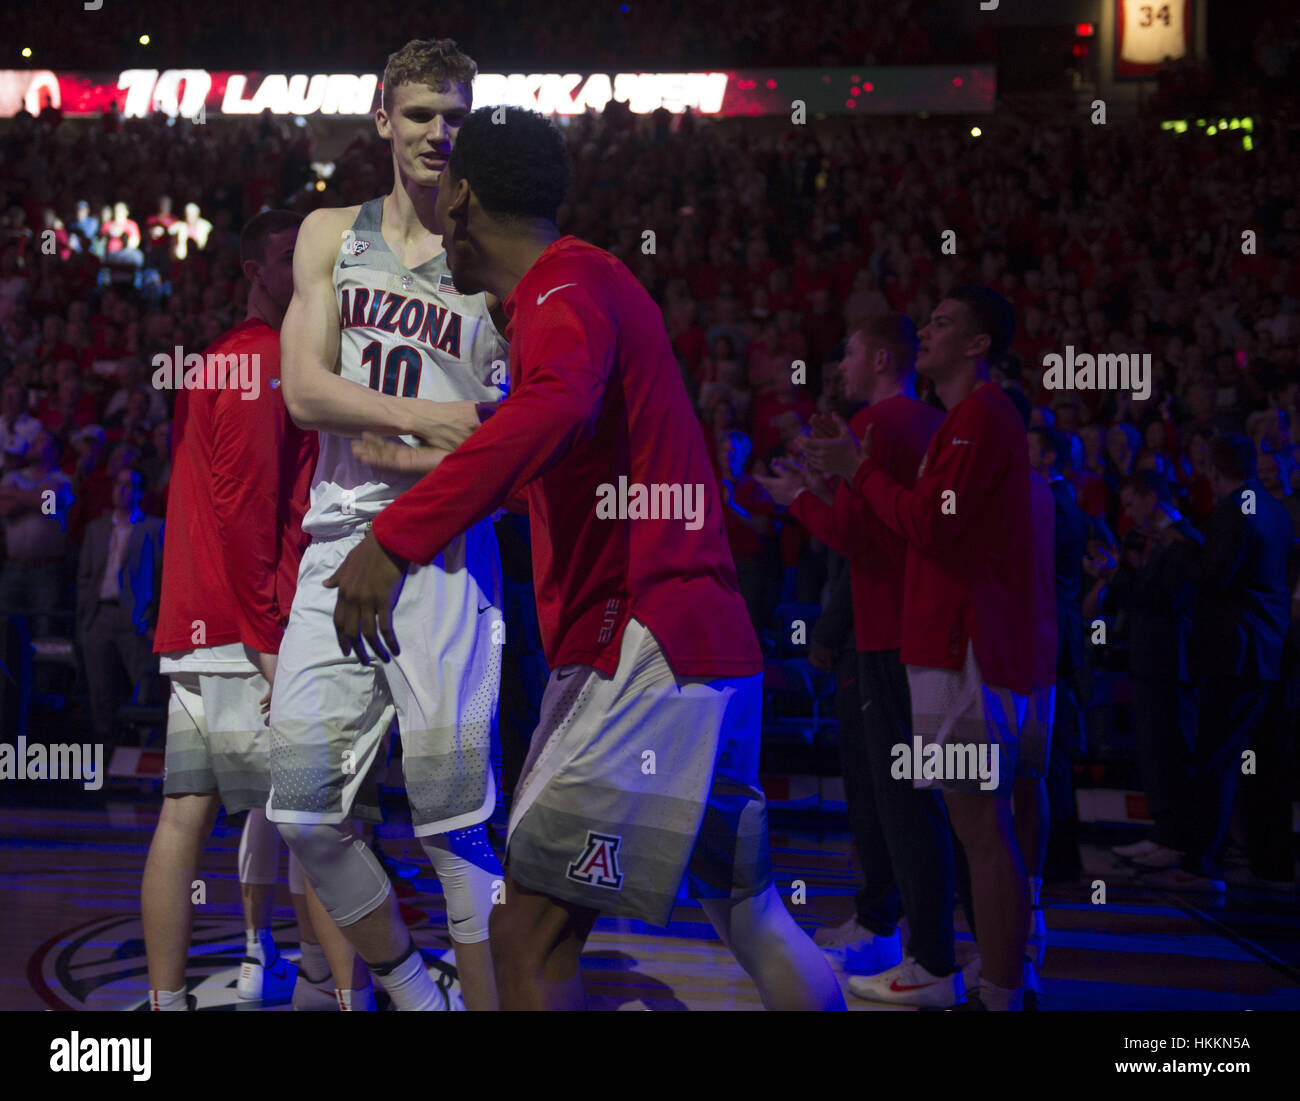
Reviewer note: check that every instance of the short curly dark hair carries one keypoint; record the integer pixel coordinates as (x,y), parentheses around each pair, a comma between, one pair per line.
(515,160)
(436,62)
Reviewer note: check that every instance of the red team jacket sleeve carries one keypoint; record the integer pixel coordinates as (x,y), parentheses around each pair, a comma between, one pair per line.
(844,525)
(246,444)
(564,362)
(970,468)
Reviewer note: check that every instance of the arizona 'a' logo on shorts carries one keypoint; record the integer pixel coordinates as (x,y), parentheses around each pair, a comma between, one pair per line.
(598,864)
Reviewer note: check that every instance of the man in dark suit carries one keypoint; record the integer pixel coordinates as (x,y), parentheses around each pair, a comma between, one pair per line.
(118,578)
(1049,453)
(1241,618)
(1164,697)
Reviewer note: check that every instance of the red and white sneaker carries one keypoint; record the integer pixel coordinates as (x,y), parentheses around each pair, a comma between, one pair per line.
(257,980)
(849,947)
(356,1001)
(909,984)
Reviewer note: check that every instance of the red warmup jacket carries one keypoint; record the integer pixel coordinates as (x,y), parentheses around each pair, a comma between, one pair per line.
(902,429)
(241,479)
(596,402)
(970,554)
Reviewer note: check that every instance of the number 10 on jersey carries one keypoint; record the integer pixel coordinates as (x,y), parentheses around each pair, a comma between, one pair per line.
(401,368)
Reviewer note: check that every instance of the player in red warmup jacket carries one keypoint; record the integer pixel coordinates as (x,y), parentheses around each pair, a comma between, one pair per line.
(240,477)
(644,769)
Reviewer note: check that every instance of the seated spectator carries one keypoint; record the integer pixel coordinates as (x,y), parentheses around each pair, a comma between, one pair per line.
(68,409)
(769,409)
(132,376)
(122,238)
(865,302)
(34,503)
(1122,445)
(51,223)
(84,455)
(14,284)
(95,495)
(726,385)
(84,228)
(118,581)
(131,424)
(158,468)
(157,227)
(15,421)
(193,232)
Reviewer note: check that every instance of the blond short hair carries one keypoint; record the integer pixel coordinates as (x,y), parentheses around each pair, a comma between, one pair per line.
(436,62)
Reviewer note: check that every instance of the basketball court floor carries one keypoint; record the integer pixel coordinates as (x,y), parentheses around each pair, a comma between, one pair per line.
(70,899)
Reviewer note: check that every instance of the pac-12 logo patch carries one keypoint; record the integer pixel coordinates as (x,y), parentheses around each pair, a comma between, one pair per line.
(359,246)
(598,864)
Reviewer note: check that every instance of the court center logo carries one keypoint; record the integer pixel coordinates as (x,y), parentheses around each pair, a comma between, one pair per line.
(598,864)
(101,965)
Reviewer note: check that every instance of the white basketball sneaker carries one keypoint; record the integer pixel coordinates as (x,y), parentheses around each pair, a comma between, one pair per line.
(910,984)
(312,996)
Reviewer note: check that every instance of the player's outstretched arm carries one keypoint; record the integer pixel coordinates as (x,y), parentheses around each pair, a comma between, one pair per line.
(316,397)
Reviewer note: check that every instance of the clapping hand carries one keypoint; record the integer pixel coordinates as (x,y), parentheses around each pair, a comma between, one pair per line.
(832,448)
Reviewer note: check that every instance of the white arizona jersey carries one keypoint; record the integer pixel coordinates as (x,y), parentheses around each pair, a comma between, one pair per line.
(1153,30)
(408,333)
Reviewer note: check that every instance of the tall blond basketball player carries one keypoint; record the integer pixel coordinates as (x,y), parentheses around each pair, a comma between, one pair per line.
(373,294)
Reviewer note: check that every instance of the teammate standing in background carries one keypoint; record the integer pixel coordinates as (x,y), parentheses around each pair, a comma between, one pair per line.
(375,302)
(911,825)
(239,487)
(969,629)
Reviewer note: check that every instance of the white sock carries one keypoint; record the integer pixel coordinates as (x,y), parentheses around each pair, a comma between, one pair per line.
(259,945)
(169,1000)
(1000,1000)
(356,1001)
(409,984)
(314,966)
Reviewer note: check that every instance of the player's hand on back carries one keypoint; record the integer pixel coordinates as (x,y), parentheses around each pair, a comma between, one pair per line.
(381,453)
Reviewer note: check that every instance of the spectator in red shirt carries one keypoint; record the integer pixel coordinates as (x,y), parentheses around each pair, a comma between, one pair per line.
(786,397)
(122,238)
(69,408)
(157,228)
(821,328)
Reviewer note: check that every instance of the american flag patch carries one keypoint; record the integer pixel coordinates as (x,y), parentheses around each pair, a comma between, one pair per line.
(446,285)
